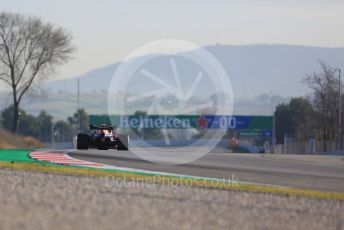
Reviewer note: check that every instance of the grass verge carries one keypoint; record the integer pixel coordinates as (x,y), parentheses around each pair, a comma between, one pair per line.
(9,140)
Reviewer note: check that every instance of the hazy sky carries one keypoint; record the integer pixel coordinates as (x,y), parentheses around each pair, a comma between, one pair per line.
(105,31)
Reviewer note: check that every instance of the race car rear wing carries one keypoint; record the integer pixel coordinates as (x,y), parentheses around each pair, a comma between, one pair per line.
(101,127)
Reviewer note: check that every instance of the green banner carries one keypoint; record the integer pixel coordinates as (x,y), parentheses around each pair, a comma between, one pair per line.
(185,121)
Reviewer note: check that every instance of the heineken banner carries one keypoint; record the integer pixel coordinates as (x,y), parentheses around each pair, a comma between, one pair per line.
(185,121)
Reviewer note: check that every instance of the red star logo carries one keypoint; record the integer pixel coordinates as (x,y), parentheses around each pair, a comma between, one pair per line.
(202,122)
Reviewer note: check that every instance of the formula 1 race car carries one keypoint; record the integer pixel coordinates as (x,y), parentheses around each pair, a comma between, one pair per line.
(102,137)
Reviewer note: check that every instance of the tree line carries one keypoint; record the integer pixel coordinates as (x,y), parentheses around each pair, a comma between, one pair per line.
(316,115)
(43,127)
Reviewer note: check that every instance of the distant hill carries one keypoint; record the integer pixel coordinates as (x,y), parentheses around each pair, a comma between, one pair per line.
(253,69)
(256,72)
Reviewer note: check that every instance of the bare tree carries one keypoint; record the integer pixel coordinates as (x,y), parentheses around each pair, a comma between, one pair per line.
(29,50)
(325,101)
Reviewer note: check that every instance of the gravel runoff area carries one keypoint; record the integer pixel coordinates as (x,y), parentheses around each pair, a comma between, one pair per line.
(35,200)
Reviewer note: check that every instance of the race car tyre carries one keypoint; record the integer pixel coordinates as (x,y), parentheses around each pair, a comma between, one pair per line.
(123,142)
(82,141)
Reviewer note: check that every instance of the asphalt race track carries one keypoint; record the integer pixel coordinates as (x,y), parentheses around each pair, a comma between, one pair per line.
(324,173)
